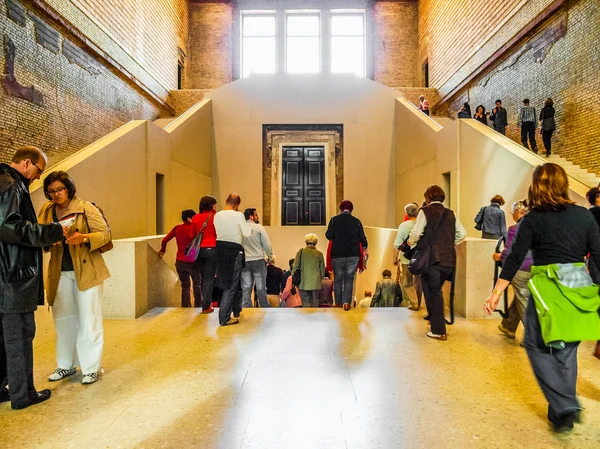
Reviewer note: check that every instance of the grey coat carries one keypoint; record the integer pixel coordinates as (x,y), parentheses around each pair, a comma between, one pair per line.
(494,221)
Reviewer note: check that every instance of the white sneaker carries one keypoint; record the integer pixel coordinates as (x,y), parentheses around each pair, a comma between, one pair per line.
(92,377)
(61,373)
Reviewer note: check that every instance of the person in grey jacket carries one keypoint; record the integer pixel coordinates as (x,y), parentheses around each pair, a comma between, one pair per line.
(491,220)
(499,118)
(21,284)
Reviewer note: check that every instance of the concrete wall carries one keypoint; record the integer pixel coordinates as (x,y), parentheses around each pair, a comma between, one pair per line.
(364,108)
(480,163)
(119,171)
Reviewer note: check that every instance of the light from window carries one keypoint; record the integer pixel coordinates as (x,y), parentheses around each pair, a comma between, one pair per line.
(258,44)
(348,43)
(303,53)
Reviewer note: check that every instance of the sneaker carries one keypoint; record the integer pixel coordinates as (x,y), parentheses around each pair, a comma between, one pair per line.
(346,307)
(442,337)
(60,374)
(209,310)
(565,423)
(92,377)
(231,321)
(506,332)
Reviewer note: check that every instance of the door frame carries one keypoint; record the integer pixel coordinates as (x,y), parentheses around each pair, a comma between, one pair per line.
(277,179)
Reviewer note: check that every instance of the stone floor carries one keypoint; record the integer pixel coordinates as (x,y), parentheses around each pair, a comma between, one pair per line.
(363,379)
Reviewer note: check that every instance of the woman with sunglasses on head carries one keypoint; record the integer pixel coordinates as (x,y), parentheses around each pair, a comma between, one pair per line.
(76,274)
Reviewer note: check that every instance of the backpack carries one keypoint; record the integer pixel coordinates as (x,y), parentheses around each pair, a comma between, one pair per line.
(108,245)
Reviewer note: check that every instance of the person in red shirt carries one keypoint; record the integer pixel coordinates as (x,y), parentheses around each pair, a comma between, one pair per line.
(206,263)
(185,265)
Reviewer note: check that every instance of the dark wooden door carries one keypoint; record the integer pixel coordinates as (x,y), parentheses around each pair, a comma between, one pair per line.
(303,189)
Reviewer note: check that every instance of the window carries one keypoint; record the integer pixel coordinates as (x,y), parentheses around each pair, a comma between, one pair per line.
(258,43)
(348,43)
(303,42)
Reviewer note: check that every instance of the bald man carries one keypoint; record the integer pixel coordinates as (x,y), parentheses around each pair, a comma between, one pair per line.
(21,242)
(231,228)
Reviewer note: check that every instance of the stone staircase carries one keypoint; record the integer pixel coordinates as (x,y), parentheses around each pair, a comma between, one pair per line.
(575,171)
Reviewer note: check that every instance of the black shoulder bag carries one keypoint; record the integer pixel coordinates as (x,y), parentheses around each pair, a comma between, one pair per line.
(297,277)
(421,260)
(479,224)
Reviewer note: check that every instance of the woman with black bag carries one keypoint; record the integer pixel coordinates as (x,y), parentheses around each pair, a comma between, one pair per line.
(437,231)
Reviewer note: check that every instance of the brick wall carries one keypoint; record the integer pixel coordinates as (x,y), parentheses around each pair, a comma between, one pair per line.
(149,30)
(74,101)
(559,60)
(395,43)
(210,62)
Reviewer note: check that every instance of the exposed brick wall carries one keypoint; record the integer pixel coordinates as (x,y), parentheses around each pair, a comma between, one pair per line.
(395,43)
(149,30)
(183,99)
(78,105)
(210,46)
(560,62)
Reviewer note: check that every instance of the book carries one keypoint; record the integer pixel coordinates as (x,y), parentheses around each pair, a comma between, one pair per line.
(68,221)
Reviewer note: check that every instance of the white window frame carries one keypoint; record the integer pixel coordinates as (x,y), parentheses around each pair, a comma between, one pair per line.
(256,13)
(348,12)
(304,13)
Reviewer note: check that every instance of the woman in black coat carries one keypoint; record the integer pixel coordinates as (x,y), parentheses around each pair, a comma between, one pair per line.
(480,115)
(548,125)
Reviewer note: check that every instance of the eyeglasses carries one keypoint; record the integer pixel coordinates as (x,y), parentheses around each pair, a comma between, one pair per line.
(54,192)
(36,166)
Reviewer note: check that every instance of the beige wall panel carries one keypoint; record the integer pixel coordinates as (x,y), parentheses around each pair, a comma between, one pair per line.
(365,109)
(187,187)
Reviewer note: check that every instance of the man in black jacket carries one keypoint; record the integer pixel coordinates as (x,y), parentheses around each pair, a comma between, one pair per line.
(347,237)
(21,284)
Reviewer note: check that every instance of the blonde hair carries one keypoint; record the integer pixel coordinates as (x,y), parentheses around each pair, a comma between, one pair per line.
(311,239)
(519,206)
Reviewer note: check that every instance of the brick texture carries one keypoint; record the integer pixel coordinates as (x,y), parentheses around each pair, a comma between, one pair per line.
(78,106)
(210,46)
(395,43)
(149,30)
(183,99)
(557,62)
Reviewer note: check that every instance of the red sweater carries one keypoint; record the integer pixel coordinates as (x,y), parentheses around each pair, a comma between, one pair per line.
(209,238)
(182,234)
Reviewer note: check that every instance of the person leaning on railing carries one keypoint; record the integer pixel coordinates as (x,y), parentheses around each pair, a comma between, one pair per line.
(560,235)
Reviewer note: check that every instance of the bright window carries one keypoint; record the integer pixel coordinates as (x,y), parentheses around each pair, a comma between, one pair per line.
(303,42)
(258,43)
(348,43)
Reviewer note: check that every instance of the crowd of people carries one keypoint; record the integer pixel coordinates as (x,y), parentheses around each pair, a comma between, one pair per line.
(528,121)
(551,257)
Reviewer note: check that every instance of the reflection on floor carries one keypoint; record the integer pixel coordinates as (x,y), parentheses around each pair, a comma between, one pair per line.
(325,378)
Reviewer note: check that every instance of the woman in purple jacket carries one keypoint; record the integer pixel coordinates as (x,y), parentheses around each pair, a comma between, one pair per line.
(516,311)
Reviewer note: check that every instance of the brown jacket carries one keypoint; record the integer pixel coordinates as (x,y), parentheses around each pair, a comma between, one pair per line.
(89,266)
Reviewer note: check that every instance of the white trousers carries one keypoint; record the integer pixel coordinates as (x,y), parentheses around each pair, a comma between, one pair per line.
(78,322)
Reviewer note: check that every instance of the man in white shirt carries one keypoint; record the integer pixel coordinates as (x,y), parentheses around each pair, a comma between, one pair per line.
(256,246)
(231,228)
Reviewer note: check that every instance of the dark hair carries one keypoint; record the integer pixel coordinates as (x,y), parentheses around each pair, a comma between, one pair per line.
(526,101)
(207,203)
(434,193)
(498,101)
(291,262)
(233,199)
(327,275)
(188,213)
(591,195)
(63,177)
(548,102)
(482,107)
(549,188)
(346,205)
(249,212)
(34,154)
(386,274)
(498,200)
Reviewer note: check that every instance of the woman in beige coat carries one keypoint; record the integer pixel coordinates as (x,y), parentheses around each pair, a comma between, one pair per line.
(75,279)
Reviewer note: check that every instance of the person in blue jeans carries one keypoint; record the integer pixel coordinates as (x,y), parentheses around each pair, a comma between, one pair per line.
(257,246)
(347,235)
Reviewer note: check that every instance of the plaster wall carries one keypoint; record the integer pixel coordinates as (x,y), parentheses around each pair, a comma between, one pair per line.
(118,172)
(364,108)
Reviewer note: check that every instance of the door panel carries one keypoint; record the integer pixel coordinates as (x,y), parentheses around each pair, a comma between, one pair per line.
(303,188)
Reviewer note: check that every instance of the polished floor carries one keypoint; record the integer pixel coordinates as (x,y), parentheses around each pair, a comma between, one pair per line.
(323,378)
